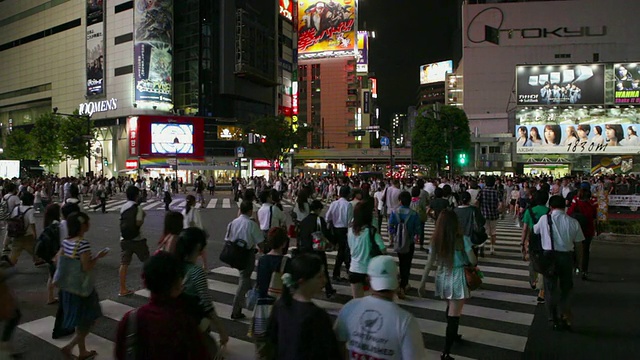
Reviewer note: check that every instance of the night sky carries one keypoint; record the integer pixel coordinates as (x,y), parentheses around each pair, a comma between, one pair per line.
(408,34)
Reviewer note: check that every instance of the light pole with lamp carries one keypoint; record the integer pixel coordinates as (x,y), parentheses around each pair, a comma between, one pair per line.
(176,142)
(292,152)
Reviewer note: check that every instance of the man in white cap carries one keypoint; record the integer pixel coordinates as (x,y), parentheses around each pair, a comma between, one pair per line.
(376,327)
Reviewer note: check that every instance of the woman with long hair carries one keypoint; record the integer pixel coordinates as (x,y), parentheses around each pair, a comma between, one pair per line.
(523,136)
(572,135)
(191,243)
(298,328)
(359,238)
(597,138)
(79,311)
(452,251)
(552,135)
(51,219)
(614,134)
(534,136)
(173,225)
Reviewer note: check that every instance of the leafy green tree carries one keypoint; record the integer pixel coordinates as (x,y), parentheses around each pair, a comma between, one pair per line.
(279,137)
(432,136)
(46,139)
(18,145)
(72,128)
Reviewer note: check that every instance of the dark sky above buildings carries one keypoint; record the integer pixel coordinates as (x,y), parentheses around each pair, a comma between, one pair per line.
(409,33)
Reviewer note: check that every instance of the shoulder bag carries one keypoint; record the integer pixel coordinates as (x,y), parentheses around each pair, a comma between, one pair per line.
(70,277)
(547,259)
(472,275)
(275,285)
(319,240)
(236,253)
(478,234)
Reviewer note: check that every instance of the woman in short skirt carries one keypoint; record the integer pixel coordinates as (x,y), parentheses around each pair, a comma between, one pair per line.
(452,251)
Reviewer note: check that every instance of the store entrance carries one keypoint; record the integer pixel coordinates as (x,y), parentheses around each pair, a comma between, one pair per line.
(555,170)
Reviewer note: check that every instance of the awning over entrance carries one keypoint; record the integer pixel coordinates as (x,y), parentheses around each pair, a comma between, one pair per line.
(167,162)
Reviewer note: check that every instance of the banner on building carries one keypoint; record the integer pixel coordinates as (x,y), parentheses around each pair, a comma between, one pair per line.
(326,28)
(577,139)
(627,83)
(362,63)
(366,101)
(153,52)
(95,47)
(436,72)
(560,84)
(624,200)
(611,164)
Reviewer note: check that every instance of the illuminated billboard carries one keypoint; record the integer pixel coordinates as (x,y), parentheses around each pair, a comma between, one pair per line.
(95,47)
(436,72)
(374,88)
(578,139)
(9,169)
(627,83)
(286,9)
(171,138)
(156,135)
(362,62)
(153,52)
(326,28)
(560,84)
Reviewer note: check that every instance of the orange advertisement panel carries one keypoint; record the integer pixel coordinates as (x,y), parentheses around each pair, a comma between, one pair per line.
(326,28)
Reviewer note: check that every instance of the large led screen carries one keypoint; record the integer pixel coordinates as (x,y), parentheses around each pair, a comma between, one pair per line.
(578,139)
(362,64)
(436,72)
(169,138)
(560,84)
(153,51)
(9,169)
(326,28)
(627,83)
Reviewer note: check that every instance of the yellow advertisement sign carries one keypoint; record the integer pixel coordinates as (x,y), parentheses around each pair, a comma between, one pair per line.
(326,28)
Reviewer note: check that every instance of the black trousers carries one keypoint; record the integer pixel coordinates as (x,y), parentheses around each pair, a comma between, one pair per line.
(405,265)
(102,204)
(327,288)
(11,325)
(586,253)
(344,254)
(557,289)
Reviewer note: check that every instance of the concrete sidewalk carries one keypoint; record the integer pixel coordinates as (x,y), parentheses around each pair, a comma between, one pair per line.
(606,311)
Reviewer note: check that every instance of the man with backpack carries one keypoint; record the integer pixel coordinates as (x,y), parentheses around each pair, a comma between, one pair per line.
(131,240)
(531,216)
(21,228)
(199,185)
(404,227)
(9,201)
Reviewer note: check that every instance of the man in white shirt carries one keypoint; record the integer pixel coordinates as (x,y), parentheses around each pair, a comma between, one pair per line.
(566,233)
(26,241)
(131,239)
(270,215)
(243,228)
(338,217)
(375,326)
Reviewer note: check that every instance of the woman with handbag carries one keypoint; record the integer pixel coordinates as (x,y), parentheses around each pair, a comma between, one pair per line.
(453,252)
(173,225)
(298,328)
(314,237)
(268,287)
(191,243)
(78,296)
(364,243)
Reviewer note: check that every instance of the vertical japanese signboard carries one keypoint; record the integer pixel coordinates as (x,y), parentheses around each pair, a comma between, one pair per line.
(95,47)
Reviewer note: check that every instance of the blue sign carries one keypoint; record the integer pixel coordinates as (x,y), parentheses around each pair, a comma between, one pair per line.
(384,141)
(240,151)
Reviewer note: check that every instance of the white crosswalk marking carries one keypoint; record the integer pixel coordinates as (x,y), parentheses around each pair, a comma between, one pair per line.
(495,321)
(226,203)
(212,203)
(152,204)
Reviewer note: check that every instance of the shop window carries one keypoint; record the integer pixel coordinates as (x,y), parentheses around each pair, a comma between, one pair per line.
(494,150)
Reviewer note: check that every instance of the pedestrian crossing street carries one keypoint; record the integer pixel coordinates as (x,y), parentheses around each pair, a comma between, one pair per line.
(114,204)
(495,321)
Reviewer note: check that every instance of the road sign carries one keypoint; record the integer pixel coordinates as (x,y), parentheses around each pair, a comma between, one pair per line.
(384,148)
(240,151)
(384,141)
(358,133)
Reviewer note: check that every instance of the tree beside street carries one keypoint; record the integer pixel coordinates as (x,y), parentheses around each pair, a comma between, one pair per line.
(432,136)
(18,145)
(276,137)
(72,128)
(46,139)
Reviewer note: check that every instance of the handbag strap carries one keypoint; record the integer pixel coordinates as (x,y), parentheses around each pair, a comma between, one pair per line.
(283,263)
(270,215)
(550,230)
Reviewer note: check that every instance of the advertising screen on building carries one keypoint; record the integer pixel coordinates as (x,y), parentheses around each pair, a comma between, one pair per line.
(171,138)
(362,64)
(9,169)
(560,84)
(627,83)
(95,47)
(578,139)
(286,9)
(435,72)
(326,28)
(153,51)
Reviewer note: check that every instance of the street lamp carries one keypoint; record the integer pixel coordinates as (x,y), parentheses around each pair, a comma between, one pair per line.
(88,136)
(176,142)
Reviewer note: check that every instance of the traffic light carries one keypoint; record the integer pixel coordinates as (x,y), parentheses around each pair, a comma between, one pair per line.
(263,139)
(462,159)
(446,159)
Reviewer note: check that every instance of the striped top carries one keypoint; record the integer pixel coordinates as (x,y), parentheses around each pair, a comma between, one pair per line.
(69,244)
(195,284)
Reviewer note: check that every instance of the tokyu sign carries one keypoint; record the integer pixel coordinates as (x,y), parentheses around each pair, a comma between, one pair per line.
(89,108)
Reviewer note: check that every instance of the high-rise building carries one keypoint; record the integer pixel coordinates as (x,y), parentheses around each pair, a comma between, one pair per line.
(217,63)
(432,83)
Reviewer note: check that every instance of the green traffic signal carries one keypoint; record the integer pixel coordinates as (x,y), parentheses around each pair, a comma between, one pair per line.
(462,159)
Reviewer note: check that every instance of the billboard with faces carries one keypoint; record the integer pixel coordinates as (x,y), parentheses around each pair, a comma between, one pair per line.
(326,28)
(560,84)
(577,139)
(627,88)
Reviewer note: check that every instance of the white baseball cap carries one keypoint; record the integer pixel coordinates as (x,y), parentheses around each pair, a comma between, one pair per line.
(383,273)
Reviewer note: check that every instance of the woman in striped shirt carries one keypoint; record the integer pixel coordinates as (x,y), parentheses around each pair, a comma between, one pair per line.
(191,243)
(79,312)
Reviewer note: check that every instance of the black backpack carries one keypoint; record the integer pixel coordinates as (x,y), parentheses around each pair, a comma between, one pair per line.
(535,240)
(129,228)
(15,224)
(48,242)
